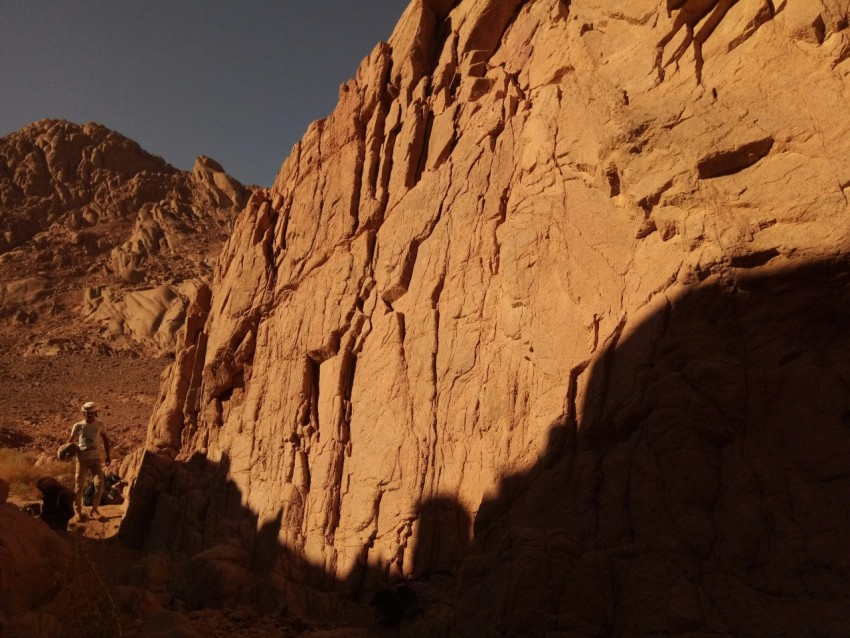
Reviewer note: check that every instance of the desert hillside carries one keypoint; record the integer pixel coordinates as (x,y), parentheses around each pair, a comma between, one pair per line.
(101,246)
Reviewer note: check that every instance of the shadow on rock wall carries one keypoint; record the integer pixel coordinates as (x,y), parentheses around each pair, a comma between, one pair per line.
(700,489)
(211,551)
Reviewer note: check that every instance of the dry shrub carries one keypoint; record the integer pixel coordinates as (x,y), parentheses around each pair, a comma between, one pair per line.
(21,469)
(10,436)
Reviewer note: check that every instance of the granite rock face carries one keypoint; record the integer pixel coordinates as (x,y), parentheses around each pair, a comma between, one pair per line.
(91,224)
(547,319)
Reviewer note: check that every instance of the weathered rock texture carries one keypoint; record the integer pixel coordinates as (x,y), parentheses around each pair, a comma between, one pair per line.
(95,232)
(32,557)
(547,317)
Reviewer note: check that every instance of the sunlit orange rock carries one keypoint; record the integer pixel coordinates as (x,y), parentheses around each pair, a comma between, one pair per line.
(546,318)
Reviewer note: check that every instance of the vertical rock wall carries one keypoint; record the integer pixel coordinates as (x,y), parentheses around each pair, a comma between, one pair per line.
(405,333)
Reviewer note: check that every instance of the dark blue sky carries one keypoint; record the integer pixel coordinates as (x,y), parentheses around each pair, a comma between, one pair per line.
(237,81)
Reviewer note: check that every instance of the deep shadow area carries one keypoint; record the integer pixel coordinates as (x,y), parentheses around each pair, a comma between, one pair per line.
(188,518)
(699,489)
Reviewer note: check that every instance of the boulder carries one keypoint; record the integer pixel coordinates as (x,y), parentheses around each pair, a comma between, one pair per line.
(32,557)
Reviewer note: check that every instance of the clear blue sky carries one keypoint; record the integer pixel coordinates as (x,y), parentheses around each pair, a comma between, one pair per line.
(236,81)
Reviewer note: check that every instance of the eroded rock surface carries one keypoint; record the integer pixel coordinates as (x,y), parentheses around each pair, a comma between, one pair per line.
(546,318)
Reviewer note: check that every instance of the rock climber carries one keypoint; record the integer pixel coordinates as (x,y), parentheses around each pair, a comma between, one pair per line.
(90,436)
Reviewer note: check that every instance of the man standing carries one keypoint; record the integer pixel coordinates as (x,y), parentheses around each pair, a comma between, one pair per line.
(94,445)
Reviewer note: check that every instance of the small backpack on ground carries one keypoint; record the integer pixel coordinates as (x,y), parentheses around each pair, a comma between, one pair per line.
(111,491)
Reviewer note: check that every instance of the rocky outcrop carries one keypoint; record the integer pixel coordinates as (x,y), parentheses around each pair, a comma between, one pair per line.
(86,210)
(545,319)
(32,557)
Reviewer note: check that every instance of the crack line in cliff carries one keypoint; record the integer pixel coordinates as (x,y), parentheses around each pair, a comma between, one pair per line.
(378,191)
(555,137)
(505,28)
(427,129)
(570,410)
(313,370)
(843,188)
(500,219)
(354,202)
(597,403)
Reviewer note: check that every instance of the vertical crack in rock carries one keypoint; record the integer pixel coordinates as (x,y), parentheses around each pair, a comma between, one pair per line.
(487,32)
(434,384)
(284,211)
(268,245)
(598,393)
(190,360)
(501,218)
(342,442)
(359,164)
(570,410)
(435,304)
(312,385)
(417,151)
(371,127)
(442,34)
(192,403)
(428,116)
(402,332)
(374,143)
(387,153)
(347,372)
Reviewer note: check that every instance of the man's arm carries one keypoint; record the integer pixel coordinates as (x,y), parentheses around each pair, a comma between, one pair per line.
(72,438)
(106,447)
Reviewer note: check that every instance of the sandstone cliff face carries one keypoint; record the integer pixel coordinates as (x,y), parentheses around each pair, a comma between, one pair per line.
(547,317)
(91,225)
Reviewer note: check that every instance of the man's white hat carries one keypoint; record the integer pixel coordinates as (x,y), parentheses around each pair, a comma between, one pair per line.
(89,406)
